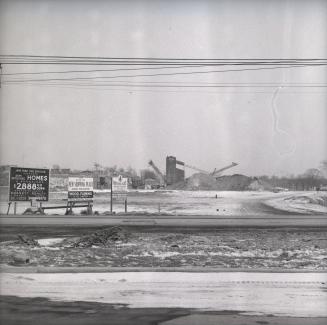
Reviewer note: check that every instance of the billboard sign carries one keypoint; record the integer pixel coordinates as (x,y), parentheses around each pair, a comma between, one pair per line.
(27,184)
(80,189)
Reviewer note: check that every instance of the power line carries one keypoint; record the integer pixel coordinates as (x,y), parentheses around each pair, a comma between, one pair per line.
(101,70)
(34,59)
(162,74)
(109,88)
(108,70)
(150,58)
(122,63)
(174,85)
(140,64)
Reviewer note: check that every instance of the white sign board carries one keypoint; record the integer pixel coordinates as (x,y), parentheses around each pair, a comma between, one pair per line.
(80,184)
(119,184)
(80,189)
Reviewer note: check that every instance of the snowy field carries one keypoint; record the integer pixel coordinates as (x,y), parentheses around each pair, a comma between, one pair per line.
(302,203)
(278,294)
(194,202)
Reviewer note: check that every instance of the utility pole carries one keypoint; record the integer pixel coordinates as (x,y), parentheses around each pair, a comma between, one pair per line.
(111,194)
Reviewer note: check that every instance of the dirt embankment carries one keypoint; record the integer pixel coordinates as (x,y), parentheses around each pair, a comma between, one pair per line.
(122,247)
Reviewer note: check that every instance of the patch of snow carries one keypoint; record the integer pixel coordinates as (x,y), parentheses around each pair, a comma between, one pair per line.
(287,294)
(164,255)
(50,241)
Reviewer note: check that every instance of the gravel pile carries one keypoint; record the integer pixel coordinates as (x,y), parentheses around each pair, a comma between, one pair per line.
(27,241)
(103,237)
(202,181)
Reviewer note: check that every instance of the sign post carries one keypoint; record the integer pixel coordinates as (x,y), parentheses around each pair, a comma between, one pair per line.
(26,184)
(111,195)
(119,186)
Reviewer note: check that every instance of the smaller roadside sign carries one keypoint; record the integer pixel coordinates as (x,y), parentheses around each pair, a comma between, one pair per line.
(119,184)
(119,188)
(80,189)
(82,195)
(28,183)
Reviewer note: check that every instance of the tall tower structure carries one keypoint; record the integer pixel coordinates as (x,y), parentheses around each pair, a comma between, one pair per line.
(173,174)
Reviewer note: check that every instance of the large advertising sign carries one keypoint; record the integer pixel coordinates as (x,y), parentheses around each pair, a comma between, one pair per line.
(80,189)
(27,184)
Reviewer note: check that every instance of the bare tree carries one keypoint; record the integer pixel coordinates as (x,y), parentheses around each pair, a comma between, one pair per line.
(312,178)
(323,168)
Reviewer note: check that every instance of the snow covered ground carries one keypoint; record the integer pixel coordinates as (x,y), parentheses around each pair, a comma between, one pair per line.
(279,294)
(301,202)
(174,202)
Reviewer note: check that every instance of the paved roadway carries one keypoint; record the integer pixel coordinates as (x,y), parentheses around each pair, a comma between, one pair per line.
(272,220)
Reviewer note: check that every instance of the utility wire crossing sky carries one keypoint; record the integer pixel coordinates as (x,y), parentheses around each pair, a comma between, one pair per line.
(124,82)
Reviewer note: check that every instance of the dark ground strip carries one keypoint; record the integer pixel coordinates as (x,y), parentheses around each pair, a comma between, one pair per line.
(30,311)
(9,232)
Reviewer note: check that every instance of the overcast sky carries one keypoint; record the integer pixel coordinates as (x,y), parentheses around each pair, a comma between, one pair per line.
(267,131)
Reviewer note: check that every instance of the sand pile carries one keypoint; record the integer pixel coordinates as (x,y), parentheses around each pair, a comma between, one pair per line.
(235,182)
(103,237)
(201,181)
(260,185)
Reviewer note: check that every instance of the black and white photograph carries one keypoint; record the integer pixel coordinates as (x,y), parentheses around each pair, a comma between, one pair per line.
(163,162)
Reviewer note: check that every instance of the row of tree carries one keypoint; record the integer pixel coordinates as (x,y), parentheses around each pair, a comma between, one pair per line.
(312,178)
